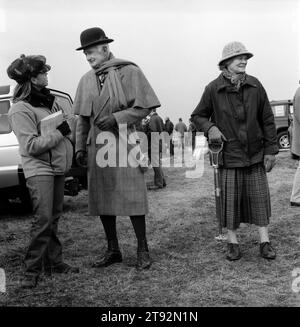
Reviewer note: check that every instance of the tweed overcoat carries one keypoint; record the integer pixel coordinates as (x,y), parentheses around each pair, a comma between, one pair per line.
(119,190)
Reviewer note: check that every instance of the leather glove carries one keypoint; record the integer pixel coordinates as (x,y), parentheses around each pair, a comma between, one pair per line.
(81,158)
(64,128)
(269,162)
(215,136)
(106,123)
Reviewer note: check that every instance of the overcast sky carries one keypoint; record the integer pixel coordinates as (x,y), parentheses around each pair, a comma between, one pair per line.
(177,43)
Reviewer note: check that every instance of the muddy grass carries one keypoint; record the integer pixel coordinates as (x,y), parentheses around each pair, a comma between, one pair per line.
(189,266)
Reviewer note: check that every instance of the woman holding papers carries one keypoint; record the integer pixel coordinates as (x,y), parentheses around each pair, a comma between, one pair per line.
(46,157)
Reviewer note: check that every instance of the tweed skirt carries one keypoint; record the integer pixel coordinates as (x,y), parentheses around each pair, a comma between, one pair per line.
(245,196)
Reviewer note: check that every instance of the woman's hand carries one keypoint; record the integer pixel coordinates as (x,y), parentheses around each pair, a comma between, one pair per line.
(269,162)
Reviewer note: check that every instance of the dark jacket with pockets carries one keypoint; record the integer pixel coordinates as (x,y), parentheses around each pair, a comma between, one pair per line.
(244,117)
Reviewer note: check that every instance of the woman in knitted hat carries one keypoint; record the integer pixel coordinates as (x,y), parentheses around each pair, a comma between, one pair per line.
(45,159)
(234,109)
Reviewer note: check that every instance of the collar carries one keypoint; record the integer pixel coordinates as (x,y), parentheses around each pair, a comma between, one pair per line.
(41,98)
(222,82)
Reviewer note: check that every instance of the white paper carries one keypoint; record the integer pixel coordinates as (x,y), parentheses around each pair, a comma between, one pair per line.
(50,123)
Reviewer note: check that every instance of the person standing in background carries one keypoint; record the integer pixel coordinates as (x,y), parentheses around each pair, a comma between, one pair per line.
(169,127)
(295,196)
(181,128)
(192,133)
(155,124)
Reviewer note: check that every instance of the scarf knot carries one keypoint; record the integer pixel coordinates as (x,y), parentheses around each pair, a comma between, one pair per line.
(237,80)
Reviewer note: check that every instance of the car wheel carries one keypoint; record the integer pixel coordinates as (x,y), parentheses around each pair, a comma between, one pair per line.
(283,140)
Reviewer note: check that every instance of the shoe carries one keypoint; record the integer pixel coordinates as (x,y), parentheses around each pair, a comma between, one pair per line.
(111,256)
(63,268)
(143,260)
(143,257)
(158,186)
(29,281)
(153,187)
(267,251)
(295,204)
(233,252)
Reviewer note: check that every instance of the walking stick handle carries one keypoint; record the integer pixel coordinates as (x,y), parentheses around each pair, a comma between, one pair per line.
(215,148)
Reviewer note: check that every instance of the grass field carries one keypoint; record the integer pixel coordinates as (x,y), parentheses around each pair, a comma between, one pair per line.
(189,266)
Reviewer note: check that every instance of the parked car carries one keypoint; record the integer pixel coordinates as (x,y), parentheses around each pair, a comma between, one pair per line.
(12,180)
(283,114)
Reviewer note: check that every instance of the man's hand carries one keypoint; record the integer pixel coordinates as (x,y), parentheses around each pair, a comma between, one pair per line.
(106,123)
(81,158)
(215,136)
(269,162)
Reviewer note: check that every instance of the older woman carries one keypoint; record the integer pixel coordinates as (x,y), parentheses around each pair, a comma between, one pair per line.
(234,109)
(45,159)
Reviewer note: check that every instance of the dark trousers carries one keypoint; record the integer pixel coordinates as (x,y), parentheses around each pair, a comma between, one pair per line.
(159,178)
(193,141)
(47,196)
(171,148)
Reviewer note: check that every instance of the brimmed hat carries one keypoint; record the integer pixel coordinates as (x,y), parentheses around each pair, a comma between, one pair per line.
(234,49)
(25,67)
(93,36)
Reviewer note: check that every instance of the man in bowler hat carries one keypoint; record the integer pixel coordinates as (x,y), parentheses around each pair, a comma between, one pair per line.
(113,93)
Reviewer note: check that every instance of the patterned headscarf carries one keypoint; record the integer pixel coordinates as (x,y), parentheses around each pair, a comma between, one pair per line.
(236,80)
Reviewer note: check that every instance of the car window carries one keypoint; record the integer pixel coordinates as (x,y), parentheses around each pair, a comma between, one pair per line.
(5,127)
(279,111)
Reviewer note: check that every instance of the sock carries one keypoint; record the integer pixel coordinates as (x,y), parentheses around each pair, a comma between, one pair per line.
(139,226)
(109,225)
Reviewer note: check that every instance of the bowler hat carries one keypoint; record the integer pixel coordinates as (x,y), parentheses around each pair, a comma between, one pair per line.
(93,36)
(25,67)
(234,49)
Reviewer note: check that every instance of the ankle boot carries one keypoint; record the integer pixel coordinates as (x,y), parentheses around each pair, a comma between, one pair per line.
(112,255)
(143,257)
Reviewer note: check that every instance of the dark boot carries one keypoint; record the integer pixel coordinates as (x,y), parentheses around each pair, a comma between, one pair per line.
(112,255)
(267,251)
(143,257)
(233,252)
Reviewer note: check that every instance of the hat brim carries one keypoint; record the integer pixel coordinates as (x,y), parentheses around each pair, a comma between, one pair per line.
(45,68)
(248,54)
(102,41)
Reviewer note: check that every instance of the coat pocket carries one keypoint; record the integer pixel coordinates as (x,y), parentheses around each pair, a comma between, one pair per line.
(45,156)
(255,146)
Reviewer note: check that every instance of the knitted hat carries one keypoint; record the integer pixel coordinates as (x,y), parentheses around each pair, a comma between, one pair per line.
(25,67)
(234,49)
(93,36)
